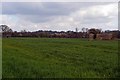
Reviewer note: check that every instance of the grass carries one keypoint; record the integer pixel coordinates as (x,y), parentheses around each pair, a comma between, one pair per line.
(59,58)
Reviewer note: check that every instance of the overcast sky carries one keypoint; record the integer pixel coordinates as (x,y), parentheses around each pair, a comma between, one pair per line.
(60,16)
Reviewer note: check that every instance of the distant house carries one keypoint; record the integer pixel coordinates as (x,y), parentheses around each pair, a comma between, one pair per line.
(7,34)
(98,35)
(91,36)
(104,36)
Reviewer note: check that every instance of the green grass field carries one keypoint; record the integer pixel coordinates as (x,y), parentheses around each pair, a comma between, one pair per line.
(59,58)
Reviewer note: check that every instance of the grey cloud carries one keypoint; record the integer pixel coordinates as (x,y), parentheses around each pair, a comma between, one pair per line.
(43,11)
(36,8)
(37,12)
(46,12)
(37,18)
(45,8)
(98,19)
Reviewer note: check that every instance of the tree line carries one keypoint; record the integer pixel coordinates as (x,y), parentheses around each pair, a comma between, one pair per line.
(84,33)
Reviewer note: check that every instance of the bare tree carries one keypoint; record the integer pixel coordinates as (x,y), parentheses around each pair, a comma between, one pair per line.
(6,31)
(83,29)
(23,31)
(87,30)
(5,28)
(76,29)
